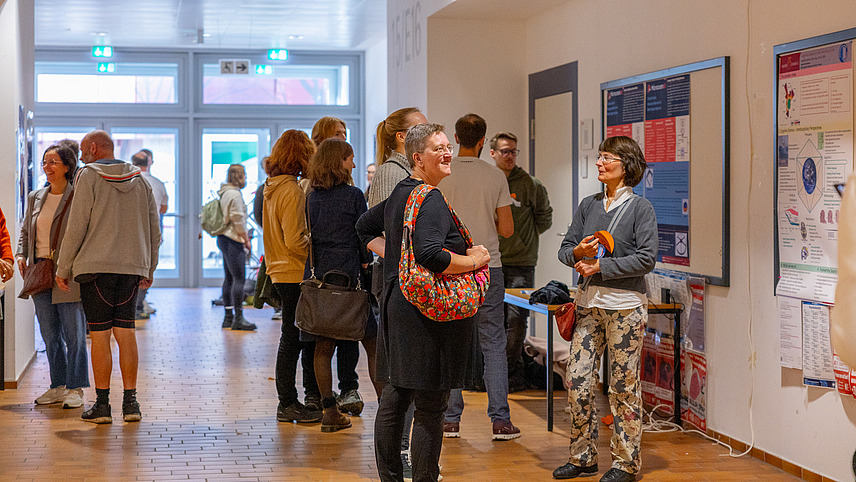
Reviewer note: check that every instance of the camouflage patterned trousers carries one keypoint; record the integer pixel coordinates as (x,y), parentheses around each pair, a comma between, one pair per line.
(622,332)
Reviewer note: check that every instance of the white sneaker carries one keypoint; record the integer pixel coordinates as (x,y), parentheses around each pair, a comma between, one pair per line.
(53,395)
(73,398)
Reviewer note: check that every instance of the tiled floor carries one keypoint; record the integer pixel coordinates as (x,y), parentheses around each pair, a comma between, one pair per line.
(208,402)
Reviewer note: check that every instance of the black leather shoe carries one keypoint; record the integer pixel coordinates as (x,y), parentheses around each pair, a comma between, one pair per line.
(571,471)
(616,475)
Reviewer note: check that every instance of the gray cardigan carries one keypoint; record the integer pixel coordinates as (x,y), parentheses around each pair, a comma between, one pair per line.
(636,242)
(27,239)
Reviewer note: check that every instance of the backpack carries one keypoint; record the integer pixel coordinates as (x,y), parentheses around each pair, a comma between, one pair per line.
(212,218)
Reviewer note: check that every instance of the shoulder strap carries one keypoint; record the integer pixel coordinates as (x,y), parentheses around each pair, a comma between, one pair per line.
(55,239)
(619,213)
(309,230)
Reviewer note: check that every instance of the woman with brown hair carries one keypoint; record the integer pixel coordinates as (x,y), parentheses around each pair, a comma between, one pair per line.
(334,207)
(611,312)
(329,128)
(60,312)
(286,246)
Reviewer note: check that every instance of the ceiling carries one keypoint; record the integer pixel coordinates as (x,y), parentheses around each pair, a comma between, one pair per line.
(224,24)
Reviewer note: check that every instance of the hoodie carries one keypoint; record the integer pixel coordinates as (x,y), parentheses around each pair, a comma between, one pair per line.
(285,234)
(234,212)
(532,216)
(113,224)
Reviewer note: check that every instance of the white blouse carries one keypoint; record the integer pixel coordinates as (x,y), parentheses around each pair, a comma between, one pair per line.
(43,225)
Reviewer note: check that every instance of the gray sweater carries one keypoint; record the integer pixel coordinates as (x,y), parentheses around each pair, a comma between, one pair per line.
(636,241)
(113,224)
(387,176)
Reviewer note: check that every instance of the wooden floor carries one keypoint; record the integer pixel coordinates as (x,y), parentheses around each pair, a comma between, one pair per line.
(208,402)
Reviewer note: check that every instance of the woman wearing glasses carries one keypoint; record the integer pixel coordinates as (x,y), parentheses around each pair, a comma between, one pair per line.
(419,358)
(611,310)
(60,313)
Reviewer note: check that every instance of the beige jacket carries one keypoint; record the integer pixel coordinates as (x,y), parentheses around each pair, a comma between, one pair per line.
(27,240)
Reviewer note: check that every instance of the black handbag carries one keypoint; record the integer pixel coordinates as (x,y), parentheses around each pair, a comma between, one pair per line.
(332,310)
(328,308)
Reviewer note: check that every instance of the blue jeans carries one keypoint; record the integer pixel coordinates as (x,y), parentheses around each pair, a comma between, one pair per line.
(490,322)
(516,323)
(64,332)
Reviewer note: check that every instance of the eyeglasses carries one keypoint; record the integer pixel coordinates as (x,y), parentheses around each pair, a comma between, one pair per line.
(509,152)
(607,160)
(51,163)
(442,149)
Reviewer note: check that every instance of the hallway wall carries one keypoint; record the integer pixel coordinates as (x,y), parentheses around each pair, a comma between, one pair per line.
(16,88)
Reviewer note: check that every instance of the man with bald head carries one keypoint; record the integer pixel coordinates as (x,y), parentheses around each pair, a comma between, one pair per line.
(111,249)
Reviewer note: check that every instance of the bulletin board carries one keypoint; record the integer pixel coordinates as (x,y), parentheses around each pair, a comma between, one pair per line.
(680,118)
(814,151)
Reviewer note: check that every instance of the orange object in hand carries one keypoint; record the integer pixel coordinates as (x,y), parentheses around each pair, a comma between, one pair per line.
(605,239)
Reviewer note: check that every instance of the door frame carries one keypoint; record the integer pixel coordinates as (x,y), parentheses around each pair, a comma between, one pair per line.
(179,210)
(547,83)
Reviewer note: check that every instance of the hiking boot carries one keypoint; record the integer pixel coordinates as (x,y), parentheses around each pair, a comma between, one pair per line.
(98,413)
(227,320)
(505,430)
(277,314)
(333,420)
(313,403)
(351,402)
(73,398)
(452,429)
(296,412)
(53,395)
(149,308)
(241,324)
(131,411)
(142,315)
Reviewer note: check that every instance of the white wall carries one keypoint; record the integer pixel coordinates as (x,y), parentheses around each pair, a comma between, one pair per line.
(613,39)
(16,88)
(376,96)
(407,35)
(472,69)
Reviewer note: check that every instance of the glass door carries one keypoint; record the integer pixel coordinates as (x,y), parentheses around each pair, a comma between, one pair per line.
(163,142)
(222,147)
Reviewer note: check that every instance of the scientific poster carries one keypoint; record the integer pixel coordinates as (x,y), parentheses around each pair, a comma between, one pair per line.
(790,332)
(814,152)
(818,369)
(625,112)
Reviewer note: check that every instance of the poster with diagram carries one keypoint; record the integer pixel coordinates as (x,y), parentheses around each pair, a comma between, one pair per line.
(656,114)
(814,152)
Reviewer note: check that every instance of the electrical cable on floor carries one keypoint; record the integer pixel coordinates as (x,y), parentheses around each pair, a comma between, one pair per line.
(666,426)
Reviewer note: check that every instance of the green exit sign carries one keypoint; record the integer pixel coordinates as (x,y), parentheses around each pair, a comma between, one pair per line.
(102,51)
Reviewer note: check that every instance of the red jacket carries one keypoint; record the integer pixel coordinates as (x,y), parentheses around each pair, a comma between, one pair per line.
(5,240)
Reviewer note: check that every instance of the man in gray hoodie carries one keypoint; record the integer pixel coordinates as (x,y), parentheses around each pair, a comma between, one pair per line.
(111,249)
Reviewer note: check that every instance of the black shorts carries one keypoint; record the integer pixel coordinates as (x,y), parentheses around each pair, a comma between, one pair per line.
(109,300)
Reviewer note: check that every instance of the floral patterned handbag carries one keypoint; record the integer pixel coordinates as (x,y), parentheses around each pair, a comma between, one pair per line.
(438,296)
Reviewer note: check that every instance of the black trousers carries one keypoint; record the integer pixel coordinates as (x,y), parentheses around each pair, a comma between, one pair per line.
(234,262)
(290,348)
(426,440)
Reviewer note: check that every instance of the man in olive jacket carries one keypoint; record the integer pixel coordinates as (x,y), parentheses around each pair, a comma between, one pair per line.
(532,216)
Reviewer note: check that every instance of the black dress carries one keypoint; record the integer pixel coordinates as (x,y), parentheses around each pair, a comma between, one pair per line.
(415,351)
